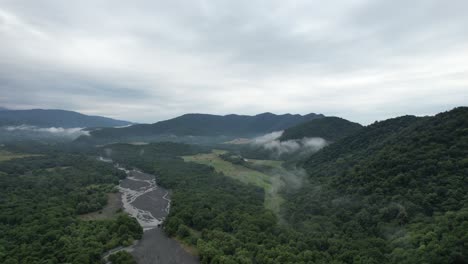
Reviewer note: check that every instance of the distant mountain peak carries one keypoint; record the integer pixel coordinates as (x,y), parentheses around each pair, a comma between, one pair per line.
(207,125)
(56,118)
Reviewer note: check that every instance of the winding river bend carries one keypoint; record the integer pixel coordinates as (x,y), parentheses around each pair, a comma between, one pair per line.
(149,204)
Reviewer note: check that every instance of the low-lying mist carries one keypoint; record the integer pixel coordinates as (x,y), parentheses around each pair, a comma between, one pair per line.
(279,148)
(33,132)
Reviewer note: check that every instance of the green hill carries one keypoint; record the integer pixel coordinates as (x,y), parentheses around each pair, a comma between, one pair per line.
(203,125)
(396,191)
(55,118)
(329,128)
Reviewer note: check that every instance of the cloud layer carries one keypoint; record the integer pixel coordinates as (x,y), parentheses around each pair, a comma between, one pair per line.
(303,146)
(61,132)
(150,60)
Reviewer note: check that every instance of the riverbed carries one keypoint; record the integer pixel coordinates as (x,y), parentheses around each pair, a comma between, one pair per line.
(149,203)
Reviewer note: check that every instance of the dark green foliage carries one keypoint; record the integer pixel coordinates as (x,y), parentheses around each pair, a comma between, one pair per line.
(40,198)
(122,257)
(204,125)
(55,118)
(395,192)
(392,192)
(328,128)
(223,218)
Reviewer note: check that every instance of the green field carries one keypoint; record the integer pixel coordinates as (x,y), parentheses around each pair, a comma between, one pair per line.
(6,155)
(270,182)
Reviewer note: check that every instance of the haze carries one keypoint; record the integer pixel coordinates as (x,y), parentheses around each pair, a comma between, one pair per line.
(146,61)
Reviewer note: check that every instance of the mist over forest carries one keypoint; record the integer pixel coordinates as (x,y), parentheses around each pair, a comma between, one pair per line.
(233,132)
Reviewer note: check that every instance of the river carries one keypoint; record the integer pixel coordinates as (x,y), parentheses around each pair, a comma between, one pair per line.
(149,203)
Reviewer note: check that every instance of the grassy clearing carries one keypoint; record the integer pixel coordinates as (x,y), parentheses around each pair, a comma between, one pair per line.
(6,155)
(237,172)
(108,212)
(271,183)
(274,164)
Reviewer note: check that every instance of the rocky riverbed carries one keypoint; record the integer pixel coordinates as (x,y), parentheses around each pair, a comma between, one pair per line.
(150,204)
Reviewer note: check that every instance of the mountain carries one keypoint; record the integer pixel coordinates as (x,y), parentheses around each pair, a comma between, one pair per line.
(55,118)
(207,125)
(394,191)
(329,128)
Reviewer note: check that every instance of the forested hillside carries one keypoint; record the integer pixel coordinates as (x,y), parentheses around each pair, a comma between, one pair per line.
(40,200)
(223,218)
(55,118)
(395,192)
(328,128)
(204,125)
(391,192)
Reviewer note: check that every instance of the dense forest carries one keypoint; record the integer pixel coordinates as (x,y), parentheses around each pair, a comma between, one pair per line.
(41,198)
(55,118)
(330,128)
(395,192)
(223,218)
(391,192)
(201,125)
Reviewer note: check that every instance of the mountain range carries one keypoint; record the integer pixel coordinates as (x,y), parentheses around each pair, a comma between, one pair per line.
(329,128)
(55,118)
(206,125)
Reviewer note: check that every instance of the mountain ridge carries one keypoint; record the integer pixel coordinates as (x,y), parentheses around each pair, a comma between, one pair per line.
(194,124)
(330,128)
(406,173)
(56,118)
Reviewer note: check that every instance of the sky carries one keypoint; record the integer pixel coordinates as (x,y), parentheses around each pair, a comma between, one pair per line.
(150,60)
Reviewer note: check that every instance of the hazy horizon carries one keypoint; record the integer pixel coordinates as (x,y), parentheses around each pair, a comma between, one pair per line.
(147,61)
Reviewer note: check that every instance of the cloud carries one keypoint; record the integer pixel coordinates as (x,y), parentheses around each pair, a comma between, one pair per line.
(303,146)
(48,131)
(150,60)
(267,138)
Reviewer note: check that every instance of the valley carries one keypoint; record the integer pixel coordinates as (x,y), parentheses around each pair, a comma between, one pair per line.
(390,192)
(269,178)
(233,132)
(149,204)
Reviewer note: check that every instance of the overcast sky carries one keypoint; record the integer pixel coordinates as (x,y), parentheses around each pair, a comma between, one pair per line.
(148,60)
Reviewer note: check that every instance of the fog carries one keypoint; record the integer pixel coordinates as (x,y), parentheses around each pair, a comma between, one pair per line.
(60,132)
(302,146)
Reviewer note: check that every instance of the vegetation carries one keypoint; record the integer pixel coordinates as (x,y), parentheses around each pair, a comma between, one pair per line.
(202,125)
(7,155)
(234,169)
(40,199)
(110,211)
(255,172)
(392,192)
(395,192)
(55,118)
(122,257)
(328,128)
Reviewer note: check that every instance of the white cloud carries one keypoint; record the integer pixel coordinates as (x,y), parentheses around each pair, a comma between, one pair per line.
(302,146)
(52,131)
(150,60)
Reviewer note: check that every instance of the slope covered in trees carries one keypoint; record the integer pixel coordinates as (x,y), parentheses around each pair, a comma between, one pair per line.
(205,125)
(394,192)
(368,199)
(329,128)
(55,118)
(40,199)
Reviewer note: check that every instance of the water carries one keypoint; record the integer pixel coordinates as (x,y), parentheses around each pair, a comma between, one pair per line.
(149,203)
